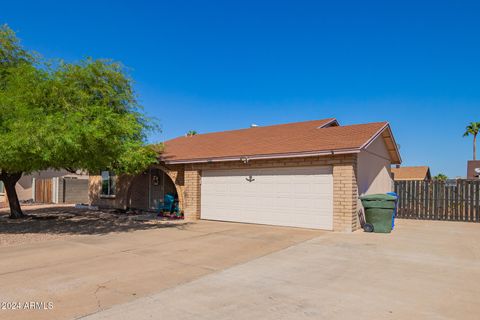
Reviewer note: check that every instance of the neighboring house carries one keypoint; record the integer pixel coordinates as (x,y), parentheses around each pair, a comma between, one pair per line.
(411,173)
(51,186)
(305,174)
(3,197)
(473,169)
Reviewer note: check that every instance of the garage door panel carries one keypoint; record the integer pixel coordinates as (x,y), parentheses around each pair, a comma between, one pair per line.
(301,197)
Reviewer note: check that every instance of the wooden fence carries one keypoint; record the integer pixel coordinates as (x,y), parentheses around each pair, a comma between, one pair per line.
(43,190)
(436,200)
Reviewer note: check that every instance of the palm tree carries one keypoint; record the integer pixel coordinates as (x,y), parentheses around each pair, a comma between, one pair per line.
(440,177)
(472,129)
(191,133)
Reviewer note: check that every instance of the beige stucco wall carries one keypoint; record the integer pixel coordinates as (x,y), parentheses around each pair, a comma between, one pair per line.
(3,200)
(3,197)
(373,169)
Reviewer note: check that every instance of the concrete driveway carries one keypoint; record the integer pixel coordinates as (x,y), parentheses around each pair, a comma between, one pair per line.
(424,270)
(91,271)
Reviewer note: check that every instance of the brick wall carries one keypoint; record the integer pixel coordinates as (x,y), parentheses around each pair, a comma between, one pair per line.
(345,195)
(192,193)
(187,179)
(121,198)
(345,190)
(132,191)
(138,192)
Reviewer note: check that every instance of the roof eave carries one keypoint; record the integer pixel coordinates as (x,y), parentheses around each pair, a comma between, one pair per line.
(398,159)
(265,156)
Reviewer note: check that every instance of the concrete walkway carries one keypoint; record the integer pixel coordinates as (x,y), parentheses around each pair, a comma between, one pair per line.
(87,273)
(424,270)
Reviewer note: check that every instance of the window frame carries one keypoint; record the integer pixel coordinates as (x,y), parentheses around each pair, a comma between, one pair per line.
(110,184)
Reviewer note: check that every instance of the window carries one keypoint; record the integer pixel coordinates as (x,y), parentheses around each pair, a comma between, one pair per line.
(2,188)
(108,183)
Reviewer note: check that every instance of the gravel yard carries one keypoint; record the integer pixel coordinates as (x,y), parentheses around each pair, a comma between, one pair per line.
(49,222)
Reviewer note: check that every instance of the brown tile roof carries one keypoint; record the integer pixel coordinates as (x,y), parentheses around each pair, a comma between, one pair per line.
(411,173)
(277,140)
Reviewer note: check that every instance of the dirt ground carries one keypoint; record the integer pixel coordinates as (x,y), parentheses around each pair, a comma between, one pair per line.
(50,222)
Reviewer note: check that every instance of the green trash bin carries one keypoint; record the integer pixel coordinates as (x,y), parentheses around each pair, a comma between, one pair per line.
(379,209)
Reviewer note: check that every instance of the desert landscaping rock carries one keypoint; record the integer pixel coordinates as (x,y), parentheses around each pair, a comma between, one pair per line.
(51,222)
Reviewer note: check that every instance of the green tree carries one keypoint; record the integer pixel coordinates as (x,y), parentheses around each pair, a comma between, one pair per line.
(473,129)
(440,177)
(77,116)
(191,133)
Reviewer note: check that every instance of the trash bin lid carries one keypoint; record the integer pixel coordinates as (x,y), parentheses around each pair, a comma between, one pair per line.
(378,197)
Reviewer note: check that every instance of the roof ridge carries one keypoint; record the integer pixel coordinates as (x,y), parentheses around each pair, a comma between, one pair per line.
(326,120)
(402,167)
(357,125)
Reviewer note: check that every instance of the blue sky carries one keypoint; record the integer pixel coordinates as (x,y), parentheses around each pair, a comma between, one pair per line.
(217,65)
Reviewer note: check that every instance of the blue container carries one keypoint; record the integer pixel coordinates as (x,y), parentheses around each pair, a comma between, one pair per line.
(394,210)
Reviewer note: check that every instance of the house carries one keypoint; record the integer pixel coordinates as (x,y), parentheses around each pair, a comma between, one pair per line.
(50,186)
(473,169)
(305,174)
(3,196)
(411,173)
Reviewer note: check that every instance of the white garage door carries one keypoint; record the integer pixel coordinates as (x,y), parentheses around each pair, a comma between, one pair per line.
(296,197)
